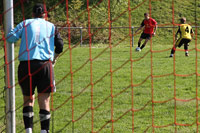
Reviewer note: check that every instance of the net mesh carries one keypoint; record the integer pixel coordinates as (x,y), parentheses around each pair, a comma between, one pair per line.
(103,85)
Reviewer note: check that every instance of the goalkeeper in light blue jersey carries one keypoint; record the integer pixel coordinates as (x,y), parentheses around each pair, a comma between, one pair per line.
(37,39)
(40,46)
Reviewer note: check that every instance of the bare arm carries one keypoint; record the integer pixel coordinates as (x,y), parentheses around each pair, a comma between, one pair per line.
(55,57)
(155,28)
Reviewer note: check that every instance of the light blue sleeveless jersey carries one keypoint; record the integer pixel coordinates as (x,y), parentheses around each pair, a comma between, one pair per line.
(37,39)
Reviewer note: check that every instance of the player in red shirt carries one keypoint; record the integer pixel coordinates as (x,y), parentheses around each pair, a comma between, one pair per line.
(150,27)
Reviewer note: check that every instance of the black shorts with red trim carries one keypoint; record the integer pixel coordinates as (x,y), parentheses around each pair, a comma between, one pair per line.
(40,75)
(145,36)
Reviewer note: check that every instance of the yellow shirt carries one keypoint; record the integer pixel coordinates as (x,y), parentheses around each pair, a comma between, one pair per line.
(185,31)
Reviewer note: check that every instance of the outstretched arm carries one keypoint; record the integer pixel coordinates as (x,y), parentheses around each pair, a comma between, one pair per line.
(15,33)
(141,26)
(139,29)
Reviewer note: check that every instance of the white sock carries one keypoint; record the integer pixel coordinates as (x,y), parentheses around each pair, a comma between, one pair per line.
(28,130)
(43,131)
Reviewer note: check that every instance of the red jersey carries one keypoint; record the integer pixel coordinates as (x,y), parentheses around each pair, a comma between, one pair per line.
(149,25)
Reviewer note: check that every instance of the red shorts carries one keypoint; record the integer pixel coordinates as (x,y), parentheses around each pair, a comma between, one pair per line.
(41,76)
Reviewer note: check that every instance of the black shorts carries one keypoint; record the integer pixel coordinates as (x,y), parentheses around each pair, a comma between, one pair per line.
(41,76)
(145,36)
(182,41)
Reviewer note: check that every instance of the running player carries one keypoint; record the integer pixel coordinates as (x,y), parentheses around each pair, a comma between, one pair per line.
(150,27)
(186,33)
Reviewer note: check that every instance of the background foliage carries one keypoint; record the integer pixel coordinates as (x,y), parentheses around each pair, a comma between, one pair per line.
(161,11)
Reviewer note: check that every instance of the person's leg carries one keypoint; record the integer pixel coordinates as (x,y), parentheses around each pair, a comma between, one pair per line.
(28,100)
(186,49)
(43,100)
(28,113)
(173,51)
(45,86)
(186,45)
(145,42)
(177,44)
(139,42)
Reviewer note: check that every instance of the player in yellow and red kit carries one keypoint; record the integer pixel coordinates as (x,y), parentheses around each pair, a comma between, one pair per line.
(186,33)
(150,27)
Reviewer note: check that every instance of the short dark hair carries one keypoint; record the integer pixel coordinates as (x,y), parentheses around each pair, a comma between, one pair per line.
(38,9)
(146,13)
(183,20)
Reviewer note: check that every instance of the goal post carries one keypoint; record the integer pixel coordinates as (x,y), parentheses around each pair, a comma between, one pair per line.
(9,69)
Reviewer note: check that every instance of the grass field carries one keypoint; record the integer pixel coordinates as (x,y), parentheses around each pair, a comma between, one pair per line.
(150,72)
(161,87)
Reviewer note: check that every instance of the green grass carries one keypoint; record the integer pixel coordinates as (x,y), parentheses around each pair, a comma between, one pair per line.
(163,89)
